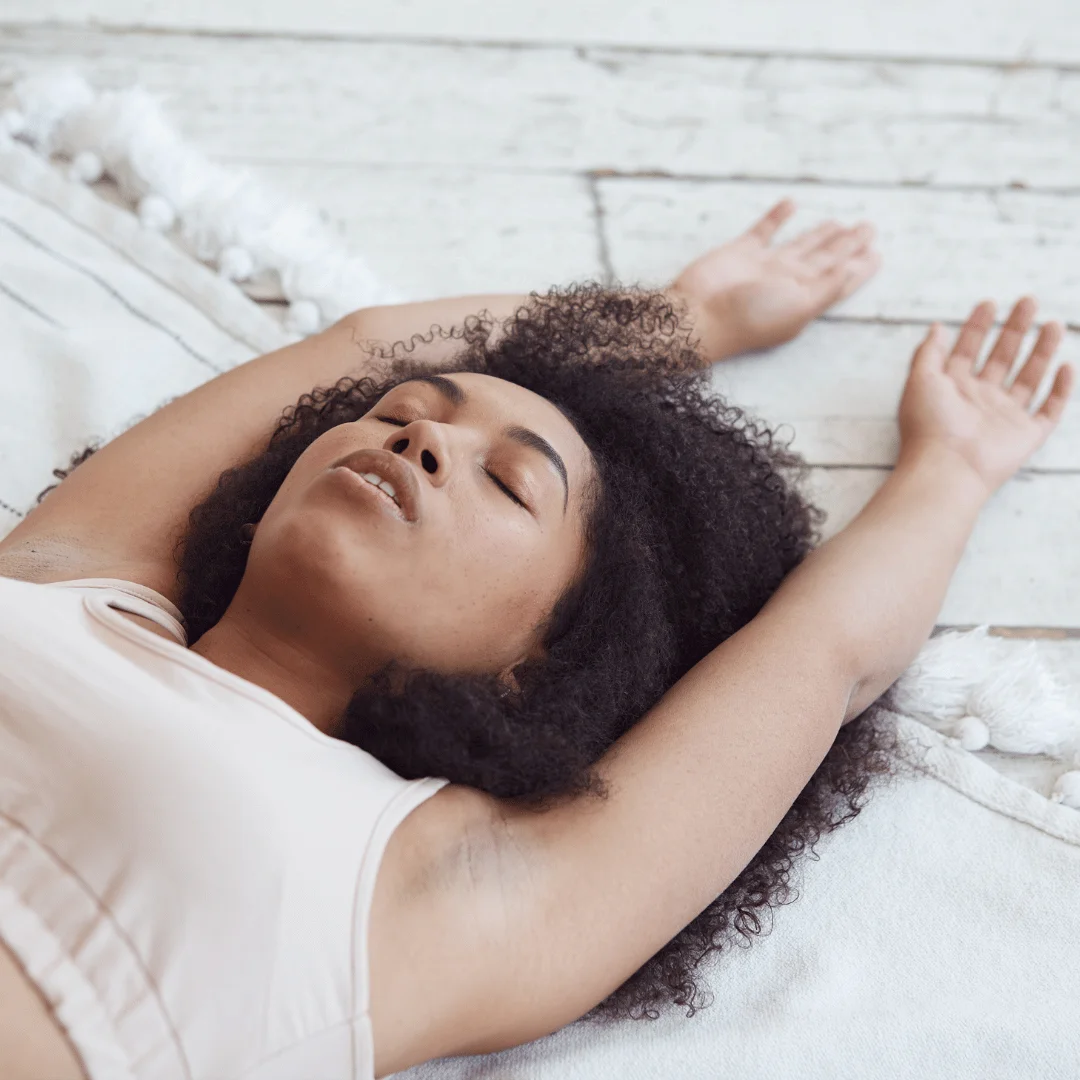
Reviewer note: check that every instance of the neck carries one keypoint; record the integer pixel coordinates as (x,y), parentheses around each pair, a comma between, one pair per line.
(315,689)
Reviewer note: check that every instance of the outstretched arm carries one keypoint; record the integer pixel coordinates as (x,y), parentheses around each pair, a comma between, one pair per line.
(122,511)
(556,910)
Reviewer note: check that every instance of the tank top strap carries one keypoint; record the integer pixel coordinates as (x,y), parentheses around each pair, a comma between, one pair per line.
(138,600)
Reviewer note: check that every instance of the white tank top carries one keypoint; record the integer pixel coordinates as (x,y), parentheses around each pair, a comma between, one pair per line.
(186,863)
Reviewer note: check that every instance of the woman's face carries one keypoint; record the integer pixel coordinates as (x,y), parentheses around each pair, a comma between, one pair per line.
(458,570)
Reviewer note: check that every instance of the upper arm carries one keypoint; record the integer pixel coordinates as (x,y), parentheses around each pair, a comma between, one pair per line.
(122,511)
(551,912)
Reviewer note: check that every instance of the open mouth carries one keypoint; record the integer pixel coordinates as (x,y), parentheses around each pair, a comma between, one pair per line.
(392,477)
(383,485)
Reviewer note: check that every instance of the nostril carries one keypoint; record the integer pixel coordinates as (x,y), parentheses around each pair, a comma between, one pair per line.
(400,446)
(427,459)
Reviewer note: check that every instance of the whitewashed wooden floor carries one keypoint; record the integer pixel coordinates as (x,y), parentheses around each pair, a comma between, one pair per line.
(487,146)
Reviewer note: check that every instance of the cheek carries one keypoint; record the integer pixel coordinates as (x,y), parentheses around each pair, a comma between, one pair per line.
(492,585)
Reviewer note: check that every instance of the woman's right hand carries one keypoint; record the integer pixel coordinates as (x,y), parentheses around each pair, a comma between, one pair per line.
(975,416)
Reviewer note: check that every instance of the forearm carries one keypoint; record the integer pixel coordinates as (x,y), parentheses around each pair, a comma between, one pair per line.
(879,583)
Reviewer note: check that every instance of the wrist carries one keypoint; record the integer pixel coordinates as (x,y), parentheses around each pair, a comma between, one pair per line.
(712,333)
(937,460)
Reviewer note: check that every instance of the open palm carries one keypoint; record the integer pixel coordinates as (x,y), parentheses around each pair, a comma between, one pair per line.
(988,423)
(756,295)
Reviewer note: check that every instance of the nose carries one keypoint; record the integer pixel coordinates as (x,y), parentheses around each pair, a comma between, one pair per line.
(423,443)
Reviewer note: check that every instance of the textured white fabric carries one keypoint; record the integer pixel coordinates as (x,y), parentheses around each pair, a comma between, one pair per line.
(186,864)
(223,214)
(101,322)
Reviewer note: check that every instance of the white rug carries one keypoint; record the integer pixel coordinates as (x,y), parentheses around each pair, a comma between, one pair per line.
(101,322)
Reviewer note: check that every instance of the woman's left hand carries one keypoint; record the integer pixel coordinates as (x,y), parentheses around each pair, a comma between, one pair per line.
(748,294)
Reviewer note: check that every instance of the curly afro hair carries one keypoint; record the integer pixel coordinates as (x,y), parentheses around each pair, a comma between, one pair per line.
(697,518)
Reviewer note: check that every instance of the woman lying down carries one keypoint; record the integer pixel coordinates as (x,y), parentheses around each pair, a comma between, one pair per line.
(494,683)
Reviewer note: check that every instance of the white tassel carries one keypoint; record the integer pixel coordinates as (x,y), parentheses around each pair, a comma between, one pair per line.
(12,122)
(972,733)
(236,264)
(1067,789)
(986,692)
(156,213)
(86,167)
(224,216)
(45,104)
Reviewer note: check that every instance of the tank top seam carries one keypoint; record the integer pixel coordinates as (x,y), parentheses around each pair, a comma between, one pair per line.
(255,1066)
(130,588)
(407,795)
(108,915)
(383,828)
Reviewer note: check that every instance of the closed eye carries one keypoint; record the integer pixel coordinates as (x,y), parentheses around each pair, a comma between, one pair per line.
(393,420)
(502,487)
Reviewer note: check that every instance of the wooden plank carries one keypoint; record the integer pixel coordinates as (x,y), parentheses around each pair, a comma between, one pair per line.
(834,390)
(993,30)
(1022,565)
(435,232)
(580,110)
(943,250)
(432,232)
(837,387)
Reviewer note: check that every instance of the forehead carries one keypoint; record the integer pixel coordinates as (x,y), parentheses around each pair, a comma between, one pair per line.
(505,404)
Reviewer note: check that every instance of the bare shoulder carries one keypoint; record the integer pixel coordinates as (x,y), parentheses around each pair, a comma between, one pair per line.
(438,929)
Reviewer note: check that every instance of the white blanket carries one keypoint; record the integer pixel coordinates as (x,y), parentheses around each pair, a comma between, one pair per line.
(939,934)
(101,322)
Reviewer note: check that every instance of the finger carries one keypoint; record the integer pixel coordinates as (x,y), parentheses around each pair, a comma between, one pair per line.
(842,246)
(809,240)
(847,277)
(1031,374)
(1054,405)
(1000,361)
(969,343)
(768,226)
(931,353)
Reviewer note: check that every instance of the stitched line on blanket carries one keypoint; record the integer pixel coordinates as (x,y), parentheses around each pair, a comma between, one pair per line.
(149,319)
(7,506)
(8,291)
(110,242)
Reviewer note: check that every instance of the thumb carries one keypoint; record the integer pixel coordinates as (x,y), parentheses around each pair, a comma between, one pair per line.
(931,353)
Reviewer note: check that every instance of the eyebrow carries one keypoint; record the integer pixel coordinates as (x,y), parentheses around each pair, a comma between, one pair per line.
(523,436)
(447,387)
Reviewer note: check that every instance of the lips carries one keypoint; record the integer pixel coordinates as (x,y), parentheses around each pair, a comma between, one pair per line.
(391,467)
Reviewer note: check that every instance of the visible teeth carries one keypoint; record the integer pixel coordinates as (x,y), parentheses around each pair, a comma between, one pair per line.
(379,482)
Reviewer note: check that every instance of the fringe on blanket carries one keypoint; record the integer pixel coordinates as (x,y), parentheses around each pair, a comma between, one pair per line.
(981,691)
(222,214)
